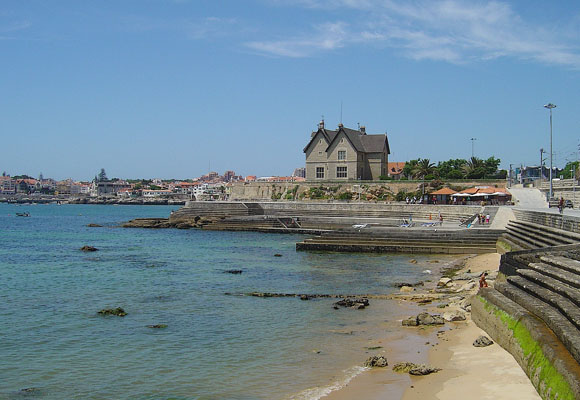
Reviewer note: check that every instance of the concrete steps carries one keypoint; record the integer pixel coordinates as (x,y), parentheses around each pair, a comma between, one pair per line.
(546,282)
(565,330)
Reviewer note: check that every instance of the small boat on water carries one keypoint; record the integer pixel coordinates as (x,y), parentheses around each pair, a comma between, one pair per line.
(24,214)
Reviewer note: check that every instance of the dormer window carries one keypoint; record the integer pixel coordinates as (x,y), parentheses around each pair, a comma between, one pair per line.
(342,155)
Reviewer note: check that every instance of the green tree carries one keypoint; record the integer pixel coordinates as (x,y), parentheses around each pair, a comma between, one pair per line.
(423,168)
(102,176)
(569,169)
(474,168)
(409,167)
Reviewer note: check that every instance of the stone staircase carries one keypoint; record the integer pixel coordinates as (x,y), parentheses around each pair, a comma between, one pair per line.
(381,239)
(546,282)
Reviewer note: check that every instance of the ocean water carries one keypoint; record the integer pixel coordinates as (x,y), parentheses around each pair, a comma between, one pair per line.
(215,346)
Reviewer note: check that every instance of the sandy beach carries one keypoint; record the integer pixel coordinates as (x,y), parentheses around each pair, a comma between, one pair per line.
(477,372)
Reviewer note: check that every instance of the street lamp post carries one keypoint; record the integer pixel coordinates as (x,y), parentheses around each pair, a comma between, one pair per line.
(550,106)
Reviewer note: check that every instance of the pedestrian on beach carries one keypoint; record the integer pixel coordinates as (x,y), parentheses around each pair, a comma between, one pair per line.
(487,217)
(482,281)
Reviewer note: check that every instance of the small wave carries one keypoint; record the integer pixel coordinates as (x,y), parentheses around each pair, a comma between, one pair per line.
(318,392)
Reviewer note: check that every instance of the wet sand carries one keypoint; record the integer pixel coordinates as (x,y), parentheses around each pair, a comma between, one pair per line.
(467,371)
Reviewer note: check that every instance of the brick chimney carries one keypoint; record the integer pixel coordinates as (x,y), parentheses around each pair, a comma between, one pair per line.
(321,124)
(363,130)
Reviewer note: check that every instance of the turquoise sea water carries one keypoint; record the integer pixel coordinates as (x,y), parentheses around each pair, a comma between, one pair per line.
(215,346)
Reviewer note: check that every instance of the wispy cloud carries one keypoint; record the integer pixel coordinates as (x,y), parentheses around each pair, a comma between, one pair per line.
(328,36)
(455,31)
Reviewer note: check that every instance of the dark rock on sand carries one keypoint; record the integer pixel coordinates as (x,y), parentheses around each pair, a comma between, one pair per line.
(119,312)
(277,255)
(233,271)
(428,319)
(404,367)
(356,303)
(423,370)
(482,341)
(157,326)
(89,248)
(376,361)
(414,369)
(94,226)
(424,319)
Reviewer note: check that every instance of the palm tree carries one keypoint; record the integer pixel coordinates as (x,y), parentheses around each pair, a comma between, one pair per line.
(472,165)
(423,168)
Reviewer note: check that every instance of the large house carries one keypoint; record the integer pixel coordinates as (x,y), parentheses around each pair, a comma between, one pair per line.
(346,154)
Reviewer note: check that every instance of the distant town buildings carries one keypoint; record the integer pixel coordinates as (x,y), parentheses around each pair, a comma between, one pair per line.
(346,154)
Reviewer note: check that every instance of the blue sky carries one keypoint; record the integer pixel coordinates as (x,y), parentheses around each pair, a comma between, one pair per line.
(171,88)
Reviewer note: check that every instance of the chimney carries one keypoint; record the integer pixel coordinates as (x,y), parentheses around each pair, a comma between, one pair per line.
(340,125)
(363,130)
(321,124)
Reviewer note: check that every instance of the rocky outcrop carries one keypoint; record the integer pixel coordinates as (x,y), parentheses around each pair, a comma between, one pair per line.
(89,249)
(119,312)
(157,326)
(376,361)
(482,341)
(424,319)
(356,303)
(94,226)
(414,369)
(152,223)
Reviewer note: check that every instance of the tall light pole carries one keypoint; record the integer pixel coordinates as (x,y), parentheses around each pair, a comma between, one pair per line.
(542,151)
(550,106)
(472,142)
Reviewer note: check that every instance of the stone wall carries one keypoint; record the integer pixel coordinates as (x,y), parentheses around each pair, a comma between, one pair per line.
(550,367)
(552,220)
(245,191)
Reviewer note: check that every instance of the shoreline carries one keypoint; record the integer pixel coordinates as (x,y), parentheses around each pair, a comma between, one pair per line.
(486,373)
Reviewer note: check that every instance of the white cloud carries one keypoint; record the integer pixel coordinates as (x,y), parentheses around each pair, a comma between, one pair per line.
(328,36)
(455,31)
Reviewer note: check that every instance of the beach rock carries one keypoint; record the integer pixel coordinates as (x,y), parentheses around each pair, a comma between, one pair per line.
(428,319)
(233,271)
(304,297)
(427,271)
(277,255)
(443,282)
(152,223)
(89,248)
(31,391)
(407,289)
(376,361)
(423,370)
(434,261)
(482,341)
(467,286)
(356,303)
(401,284)
(119,312)
(413,261)
(454,316)
(157,326)
(465,304)
(404,367)
(411,321)
(94,226)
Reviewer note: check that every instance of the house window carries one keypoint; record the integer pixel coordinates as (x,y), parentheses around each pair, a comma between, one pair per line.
(319,172)
(341,172)
(342,155)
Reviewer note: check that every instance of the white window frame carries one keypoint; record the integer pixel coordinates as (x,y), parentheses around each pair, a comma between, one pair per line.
(341,152)
(321,170)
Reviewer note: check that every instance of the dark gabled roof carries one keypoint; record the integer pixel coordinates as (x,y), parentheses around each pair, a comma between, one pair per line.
(362,143)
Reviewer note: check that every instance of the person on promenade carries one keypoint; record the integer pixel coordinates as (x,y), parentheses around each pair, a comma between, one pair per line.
(482,281)
(487,218)
(561,205)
